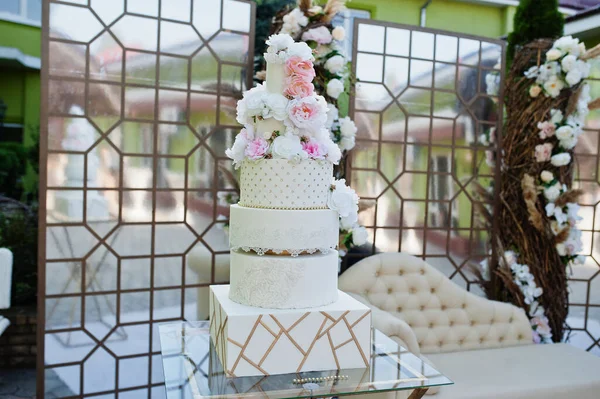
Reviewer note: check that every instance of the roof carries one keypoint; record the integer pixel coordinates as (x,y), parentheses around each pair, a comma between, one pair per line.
(584,13)
(579,4)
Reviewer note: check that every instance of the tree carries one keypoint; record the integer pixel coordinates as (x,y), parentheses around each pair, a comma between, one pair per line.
(535,19)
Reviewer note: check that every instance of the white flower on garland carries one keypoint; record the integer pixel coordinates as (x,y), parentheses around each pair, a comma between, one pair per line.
(347,127)
(563,67)
(335,64)
(553,192)
(561,159)
(338,33)
(546,176)
(294,21)
(335,87)
(523,278)
(360,235)
(332,115)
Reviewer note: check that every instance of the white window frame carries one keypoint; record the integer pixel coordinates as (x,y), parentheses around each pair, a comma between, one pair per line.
(20,18)
(348,16)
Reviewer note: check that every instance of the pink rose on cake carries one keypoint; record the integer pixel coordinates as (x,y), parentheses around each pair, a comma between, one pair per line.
(314,149)
(297,87)
(320,35)
(300,68)
(257,148)
(308,113)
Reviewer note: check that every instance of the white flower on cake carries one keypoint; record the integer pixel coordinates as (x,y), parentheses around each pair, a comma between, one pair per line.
(334,154)
(238,151)
(308,113)
(300,49)
(259,103)
(335,64)
(335,87)
(287,147)
(338,33)
(279,42)
(343,199)
(282,47)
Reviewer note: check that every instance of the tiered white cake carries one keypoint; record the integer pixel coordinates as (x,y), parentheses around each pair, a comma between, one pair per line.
(283,312)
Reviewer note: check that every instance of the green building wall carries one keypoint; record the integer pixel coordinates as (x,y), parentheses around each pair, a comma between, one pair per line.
(456,16)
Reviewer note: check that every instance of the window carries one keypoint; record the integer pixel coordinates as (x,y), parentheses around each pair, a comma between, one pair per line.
(346,19)
(24,11)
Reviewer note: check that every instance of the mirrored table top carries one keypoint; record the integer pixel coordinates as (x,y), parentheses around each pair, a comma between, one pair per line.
(192,370)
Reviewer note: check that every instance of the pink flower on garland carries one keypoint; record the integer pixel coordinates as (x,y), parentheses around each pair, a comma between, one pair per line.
(543,152)
(314,149)
(298,88)
(297,67)
(321,35)
(547,129)
(257,148)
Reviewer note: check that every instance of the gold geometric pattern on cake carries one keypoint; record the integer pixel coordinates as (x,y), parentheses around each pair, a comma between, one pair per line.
(276,329)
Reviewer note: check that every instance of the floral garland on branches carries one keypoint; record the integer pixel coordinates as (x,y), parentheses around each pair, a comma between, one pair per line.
(547,104)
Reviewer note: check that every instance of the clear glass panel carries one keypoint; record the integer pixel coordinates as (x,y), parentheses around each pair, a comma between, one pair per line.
(371,38)
(185,346)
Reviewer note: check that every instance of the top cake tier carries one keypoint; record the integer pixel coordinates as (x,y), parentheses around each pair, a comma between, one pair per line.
(281,184)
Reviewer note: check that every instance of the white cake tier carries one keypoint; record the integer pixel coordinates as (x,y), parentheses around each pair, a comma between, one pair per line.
(283,231)
(251,341)
(283,282)
(283,184)
(275,77)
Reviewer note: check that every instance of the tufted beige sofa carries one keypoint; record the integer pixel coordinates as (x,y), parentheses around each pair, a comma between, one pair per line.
(485,347)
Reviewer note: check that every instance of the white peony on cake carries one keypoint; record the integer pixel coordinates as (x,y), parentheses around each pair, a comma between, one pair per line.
(284,232)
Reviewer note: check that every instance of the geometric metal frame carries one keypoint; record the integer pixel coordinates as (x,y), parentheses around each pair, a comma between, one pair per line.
(401,136)
(221,123)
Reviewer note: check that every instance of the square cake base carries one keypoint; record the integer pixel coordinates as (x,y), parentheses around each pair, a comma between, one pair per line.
(255,341)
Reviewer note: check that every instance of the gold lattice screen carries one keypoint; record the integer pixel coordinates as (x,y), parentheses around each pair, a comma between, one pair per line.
(138,107)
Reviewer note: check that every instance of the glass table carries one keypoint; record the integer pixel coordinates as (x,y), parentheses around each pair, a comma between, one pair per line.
(193,370)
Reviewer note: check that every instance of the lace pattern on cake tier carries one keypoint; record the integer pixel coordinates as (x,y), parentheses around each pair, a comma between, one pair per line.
(248,238)
(260,251)
(266,283)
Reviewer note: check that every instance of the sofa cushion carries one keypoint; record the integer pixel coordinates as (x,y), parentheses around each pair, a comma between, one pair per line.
(522,372)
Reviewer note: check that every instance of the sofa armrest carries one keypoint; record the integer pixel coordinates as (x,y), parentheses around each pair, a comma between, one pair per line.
(393,327)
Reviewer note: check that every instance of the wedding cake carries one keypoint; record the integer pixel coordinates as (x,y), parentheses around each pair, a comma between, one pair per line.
(282,312)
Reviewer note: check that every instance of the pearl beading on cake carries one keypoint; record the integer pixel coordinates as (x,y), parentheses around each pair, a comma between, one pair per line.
(283,184)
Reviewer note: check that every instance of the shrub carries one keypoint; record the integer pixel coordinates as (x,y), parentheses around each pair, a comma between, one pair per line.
(535,19)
